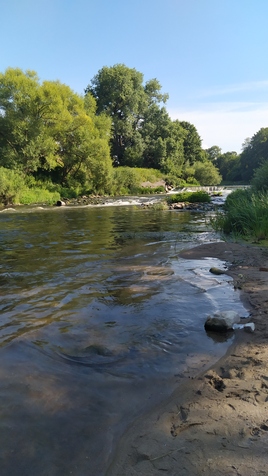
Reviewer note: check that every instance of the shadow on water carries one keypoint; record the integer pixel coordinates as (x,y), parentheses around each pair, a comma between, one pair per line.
(100,320)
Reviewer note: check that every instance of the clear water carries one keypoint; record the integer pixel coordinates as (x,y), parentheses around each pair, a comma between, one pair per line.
(100,319)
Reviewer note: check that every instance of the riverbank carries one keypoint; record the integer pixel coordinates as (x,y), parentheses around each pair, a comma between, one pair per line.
(216,423)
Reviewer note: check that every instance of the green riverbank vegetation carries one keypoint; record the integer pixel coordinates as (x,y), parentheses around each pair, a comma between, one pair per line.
(115,139)
(245,213)
(190,197)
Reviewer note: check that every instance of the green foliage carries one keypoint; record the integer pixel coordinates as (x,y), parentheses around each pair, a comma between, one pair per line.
(55,140)
(119,94)
(246,215)
(206,173)
(213,153)
(129,180)
(191,197)
(149,190)
(143,133)
(192,144)
(16,189)
(37,195)
(148,175)
(260,179)
(49,131)
(24,138)
(228,165)
(254,153)
(125,181)
(11,183)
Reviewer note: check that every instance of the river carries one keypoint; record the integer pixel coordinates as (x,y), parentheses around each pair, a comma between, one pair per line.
(100,319)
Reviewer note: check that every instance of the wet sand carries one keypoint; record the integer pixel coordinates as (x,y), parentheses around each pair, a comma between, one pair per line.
(216,423)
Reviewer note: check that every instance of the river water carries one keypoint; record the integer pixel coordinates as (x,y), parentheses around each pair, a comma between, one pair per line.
(100,319)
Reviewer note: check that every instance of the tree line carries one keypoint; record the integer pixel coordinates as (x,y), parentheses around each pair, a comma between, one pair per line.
(53,138)
(242,168)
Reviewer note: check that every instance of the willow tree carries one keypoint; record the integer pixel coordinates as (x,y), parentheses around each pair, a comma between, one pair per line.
(25,140)
(50,131)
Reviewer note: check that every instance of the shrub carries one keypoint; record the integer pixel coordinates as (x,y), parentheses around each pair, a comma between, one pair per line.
(37,195)
(148,190)
(128,180)
(206,173)
(245,214)
(191,197)
(11,183)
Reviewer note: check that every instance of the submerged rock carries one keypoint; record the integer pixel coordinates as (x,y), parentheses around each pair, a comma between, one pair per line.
(222,321)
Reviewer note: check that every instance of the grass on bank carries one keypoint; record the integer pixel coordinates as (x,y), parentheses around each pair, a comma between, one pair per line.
(37,196)
(245,215)
(15,189)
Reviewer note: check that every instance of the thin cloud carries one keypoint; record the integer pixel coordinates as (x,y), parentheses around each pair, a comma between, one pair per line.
(225,125)
(235,88)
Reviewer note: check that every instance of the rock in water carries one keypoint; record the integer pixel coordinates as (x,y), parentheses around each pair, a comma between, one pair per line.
(217,271)
(222,321)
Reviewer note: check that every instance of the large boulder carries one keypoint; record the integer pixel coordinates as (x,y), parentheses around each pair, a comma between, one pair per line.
(222,321)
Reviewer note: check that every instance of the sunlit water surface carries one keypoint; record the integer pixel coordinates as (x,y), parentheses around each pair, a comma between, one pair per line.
(100,319)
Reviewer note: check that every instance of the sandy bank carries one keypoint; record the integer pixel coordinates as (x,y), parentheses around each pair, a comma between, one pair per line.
(216,423)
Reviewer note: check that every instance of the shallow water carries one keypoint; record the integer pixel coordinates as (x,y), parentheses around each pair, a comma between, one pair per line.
(99,320)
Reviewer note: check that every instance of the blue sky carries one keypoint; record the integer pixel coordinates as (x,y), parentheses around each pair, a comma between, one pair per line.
(209,55)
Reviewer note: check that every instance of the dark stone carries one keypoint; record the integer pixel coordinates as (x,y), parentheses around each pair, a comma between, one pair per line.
(217,271)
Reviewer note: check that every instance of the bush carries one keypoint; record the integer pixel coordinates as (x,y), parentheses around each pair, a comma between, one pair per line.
(191,197)
(11,183)
(206,173)
(245,214)
(148,190)
(16,189)
(29,196)
(128,180)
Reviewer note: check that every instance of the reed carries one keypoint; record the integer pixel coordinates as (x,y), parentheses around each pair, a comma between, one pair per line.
(245,214)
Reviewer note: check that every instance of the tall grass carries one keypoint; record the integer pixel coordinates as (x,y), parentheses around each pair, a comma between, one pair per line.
(36,195)
(245,214)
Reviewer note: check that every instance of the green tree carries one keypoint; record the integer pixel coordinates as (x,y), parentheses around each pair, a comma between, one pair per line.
(228,164)
(25,141)
(254,152)
(120,93)
(213,153)
(192,144)
(206,173)
(260,179)
(11,183)
(50,132)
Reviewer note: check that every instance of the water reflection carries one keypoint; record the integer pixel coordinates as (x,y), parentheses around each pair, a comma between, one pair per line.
(100,319)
